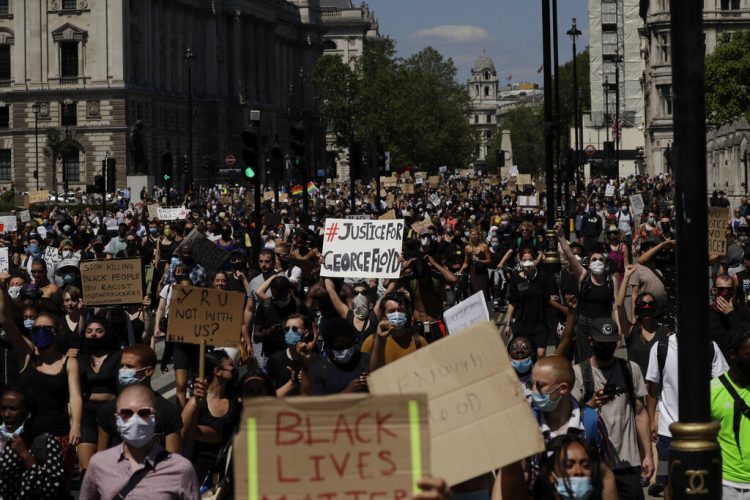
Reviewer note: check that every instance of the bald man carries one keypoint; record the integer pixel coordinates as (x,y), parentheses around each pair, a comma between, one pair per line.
(139,466)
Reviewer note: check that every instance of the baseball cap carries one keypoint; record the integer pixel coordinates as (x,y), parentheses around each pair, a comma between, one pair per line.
(604,330)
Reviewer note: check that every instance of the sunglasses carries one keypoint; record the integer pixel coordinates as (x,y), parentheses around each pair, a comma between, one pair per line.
(359,292)
(295,329)
(126,413)
(596,259)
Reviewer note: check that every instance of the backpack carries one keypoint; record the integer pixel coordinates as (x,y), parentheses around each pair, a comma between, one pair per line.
(588,381)
(519,242)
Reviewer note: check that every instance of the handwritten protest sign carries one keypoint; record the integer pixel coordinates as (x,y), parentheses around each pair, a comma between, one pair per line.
(206,252)
(609,191)
(21,201)
(357,248)
(25,216)
(153,211)
(38,196)
(435,199)
(466,313)
(433,180)
(636,203)
(4,260)
(479,418)
(407,188)
(718,218)
(171,213)
(112,281)
(523,179)
(389,215)
(343,446)
(421,226)
(388,181)
(198,314)
(8,223)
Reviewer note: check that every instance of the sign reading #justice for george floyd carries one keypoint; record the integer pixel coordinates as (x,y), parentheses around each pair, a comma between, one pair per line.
(332,447)
(358,248)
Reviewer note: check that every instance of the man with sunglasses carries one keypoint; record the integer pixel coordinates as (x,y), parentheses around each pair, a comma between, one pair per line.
(140,465)
(136,368)
(725,317)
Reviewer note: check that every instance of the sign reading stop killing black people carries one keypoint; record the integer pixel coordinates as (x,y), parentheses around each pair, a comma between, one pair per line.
(362,248)
(112,282)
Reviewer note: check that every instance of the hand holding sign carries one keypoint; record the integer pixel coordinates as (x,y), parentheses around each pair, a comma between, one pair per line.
(204,314)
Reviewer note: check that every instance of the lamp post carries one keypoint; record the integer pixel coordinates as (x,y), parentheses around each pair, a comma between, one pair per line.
(607,159)
(574,33)
(558,128)
(618,133)
(36,108)
(189,64)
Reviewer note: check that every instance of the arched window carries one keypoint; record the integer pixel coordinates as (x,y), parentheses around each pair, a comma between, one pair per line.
(486,75)
(329,45)
(72,166)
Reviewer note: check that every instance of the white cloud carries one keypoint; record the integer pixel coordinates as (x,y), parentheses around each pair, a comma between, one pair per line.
(463,33)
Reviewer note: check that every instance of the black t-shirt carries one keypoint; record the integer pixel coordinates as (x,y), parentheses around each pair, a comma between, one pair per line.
(204,455)
(639,350)
(596,300)
(105,380)
(277,369)
(168,420)
(332,378)
(530,298)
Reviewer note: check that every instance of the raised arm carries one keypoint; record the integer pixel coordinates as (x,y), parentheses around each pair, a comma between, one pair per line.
(575,266)
(622,317)
(654,251)
(338,304)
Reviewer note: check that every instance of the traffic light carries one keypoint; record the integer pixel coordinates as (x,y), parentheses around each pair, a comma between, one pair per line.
(99,184)
(166,166)
(297,145)
(250,152)
(276,166)
(111,175)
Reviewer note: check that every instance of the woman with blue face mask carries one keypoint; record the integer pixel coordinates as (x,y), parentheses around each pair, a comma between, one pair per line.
(395,336)
(573,470)
(522,354)
(284,366)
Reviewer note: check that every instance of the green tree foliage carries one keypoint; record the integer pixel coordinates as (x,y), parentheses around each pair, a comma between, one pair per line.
(728,78)
(526,125)
(414,107)
(567,86)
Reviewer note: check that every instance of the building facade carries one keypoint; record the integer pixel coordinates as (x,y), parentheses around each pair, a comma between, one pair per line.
(615,73)
(726,145)
(484,93)
(92,69)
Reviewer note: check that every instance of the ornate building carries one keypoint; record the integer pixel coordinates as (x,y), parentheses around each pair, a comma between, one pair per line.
(483,91)
(92,69)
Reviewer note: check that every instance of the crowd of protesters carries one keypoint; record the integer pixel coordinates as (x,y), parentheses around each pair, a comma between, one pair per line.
(592,343)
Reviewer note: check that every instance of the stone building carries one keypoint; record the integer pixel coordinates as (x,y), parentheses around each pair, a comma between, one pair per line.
(724,156)
(92,69)
(484,93)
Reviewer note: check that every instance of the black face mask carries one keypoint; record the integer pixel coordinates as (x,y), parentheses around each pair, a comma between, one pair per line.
(604,351)
(95,344)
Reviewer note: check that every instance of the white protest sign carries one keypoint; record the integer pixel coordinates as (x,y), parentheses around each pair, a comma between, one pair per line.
(418,180)
(362,248)
(466,313)
(4,260)
(8,223)
(435,199)
(609,192)
(636,203)
(25,216)
(172,213)
(514,171)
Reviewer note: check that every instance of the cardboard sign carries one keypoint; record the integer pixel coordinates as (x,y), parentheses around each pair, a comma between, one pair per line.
(207,253)
(172,213)
(718,218)
(636,204)
(523,179)
(479,418)
(198,314)
(466,313)
(111,281)
(389,215)
(421,226)
(433,180)
(4,260)
(8,223)
(331,447)
(153,211)
(359,217)
(388,181)
(25,216)
(38,196)
(492,181)
(609,191)
(362,248)
(21,201)
(407,189)
(390,199)
(466,172)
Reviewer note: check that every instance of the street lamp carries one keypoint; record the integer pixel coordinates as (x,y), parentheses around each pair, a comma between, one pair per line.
(189,63)
(36,108)
(607,159)
(574,33)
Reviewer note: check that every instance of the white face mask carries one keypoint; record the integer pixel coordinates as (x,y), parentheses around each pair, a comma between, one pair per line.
(14,292)
(597,267)
(528,265)
(361,308)
(136,431)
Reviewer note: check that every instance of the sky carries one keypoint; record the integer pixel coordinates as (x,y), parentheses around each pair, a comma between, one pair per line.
(510,31)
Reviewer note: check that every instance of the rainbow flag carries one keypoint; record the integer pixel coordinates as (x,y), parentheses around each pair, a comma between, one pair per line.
(296,190)
(311,188)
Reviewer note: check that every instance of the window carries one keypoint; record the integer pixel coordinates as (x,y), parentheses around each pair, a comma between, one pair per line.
(71,167)
(68,115)
(5,62)
(486,91)
(609,43)
(476,118)
(486,75)
(730,4)
(664,47)
(489,117)
(5,165)
(4,116)
(4,7)
(69,4)
(609,69)
(665,98)
(69,59)
(609,13)
(488,134)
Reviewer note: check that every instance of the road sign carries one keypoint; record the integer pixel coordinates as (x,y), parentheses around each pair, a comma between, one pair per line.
(590,150)
(230,160)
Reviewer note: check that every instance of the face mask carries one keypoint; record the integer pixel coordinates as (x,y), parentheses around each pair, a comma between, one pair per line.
(522,365)
(361,306)
(425,241)
(645,310)
(152,230)
(542,401)
(136,431)
(42,337)
(397,318)
(495,246)
(34,250)
(578,258)
(7,436)
(528,265)
(604,351)
(651,221)
(69,278)
(292,338)
(665,226)
(127,376)
(579,487)
(466,233)
(67,254)
(14,291)
(95,344)
(624,209)
(28,324)
(592,211)
(597,267)
(343,357)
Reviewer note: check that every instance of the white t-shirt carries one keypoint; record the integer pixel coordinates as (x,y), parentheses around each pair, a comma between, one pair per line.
(668,399)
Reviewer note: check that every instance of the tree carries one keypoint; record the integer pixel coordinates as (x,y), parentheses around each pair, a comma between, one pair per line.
(567,111)
(526,125)
(335,82)
(727,77)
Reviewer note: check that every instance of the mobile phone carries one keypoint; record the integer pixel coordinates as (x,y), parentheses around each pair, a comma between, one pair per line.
(609,389)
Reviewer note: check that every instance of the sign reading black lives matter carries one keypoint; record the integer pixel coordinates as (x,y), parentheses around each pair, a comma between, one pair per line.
(111,281)
(362,248)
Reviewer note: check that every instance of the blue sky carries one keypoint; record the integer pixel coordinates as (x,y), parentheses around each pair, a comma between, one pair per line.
(509,30)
